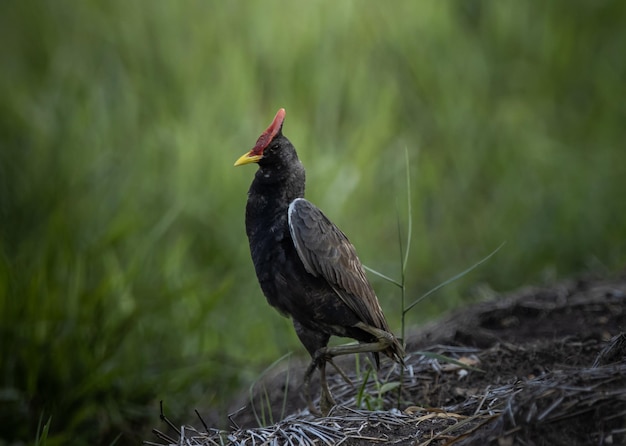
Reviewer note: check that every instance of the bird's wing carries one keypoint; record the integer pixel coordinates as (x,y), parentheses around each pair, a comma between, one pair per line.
(326,251)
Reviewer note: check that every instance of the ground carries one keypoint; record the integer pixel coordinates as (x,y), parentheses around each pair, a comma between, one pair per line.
(541,366)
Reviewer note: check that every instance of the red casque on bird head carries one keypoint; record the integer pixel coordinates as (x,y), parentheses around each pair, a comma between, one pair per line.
(254,155)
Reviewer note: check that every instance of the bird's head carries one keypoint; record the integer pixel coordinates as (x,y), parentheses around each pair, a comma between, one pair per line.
(271,147)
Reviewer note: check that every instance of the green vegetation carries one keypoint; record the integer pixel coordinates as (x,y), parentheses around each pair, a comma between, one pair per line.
(125,276)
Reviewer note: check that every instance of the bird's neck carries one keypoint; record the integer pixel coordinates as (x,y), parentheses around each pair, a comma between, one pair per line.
(269,197)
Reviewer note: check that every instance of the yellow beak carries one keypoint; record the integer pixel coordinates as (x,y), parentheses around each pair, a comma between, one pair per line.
(248,158)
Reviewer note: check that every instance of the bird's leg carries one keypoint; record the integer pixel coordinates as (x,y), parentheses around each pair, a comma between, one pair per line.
(341,372)
(383,341)
(381,335)
(326,354)
(326,399)
(307,386)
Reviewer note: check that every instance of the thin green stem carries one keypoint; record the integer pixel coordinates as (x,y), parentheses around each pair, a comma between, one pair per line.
(382,276)
(405,260)
(452,279)
(409,234)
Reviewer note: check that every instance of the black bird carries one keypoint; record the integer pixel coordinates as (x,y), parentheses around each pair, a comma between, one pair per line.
(306,266)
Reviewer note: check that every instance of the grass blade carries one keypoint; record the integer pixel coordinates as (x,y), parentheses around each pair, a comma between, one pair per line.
(452,279)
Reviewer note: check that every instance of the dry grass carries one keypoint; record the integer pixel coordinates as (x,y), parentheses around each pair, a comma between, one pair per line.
(513,412)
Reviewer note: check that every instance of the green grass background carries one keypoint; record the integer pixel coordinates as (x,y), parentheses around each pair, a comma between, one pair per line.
(125,275)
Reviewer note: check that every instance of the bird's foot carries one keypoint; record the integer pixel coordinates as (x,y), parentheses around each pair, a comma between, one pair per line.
(383,337)
(307,388)
(327,402)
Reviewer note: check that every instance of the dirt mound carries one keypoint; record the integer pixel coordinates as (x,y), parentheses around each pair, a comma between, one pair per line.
(542,366)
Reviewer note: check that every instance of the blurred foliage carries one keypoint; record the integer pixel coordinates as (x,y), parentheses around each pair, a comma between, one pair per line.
(125,276)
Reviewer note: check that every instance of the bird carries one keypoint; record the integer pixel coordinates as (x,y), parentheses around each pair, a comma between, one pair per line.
(306,266)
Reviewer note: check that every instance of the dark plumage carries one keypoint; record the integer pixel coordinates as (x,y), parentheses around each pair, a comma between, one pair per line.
(306,266)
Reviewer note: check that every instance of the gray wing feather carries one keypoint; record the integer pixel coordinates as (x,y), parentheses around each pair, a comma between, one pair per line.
(326,252)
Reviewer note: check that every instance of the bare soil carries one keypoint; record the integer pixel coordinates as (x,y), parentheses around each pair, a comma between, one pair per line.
(541,366)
